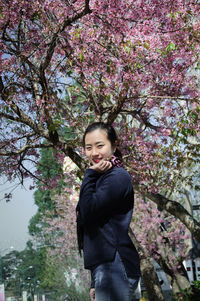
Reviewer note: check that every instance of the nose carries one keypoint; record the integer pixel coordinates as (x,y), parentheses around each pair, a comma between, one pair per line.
(94,152)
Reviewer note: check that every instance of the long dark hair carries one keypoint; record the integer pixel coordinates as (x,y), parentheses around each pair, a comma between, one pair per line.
(111,134)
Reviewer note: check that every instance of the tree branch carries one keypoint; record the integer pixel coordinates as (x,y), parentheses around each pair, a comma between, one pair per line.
(148,271)
(116,110)
(10,117)
(173,207)
(53,42)
(24,148)
(75,157)
(32,175)
(22,117)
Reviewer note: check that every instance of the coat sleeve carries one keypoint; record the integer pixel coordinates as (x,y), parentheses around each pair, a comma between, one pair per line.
(96,202)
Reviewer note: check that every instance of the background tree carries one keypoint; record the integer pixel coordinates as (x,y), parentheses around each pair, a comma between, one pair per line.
(165,241)
(164,238)
(135,65)
(133,62)
(34,271)
(54,226)
(22,270)
(50,171)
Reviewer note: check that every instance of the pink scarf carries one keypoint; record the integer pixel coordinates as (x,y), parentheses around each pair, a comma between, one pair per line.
(116,162)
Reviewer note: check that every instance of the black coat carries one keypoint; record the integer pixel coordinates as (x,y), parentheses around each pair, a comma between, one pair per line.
(104,213)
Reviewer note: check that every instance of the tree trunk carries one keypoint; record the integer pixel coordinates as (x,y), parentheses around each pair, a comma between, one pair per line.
(179,279)
(179,282)
(173,207)
(149,275)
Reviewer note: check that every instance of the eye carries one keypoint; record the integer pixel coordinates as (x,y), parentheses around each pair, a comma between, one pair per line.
(100,146)
(88,148)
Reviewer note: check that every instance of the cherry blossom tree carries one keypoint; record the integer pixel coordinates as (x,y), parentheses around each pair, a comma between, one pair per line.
(133,63)
(59,233)
(165,240)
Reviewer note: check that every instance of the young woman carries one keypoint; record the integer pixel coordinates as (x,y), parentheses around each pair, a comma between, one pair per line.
(104,213)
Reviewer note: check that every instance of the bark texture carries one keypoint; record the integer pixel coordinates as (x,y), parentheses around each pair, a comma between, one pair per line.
(149,275)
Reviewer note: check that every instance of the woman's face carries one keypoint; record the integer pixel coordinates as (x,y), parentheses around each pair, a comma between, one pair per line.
(97,146)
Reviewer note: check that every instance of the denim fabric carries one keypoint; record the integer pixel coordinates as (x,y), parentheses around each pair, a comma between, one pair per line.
(111,281)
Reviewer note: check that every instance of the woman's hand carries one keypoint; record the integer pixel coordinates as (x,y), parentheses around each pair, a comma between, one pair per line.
(102,166)
(92,294)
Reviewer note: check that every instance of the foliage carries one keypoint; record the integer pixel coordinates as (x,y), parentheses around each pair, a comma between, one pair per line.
(132,63)
(31,269)
(77,278)
(50,171)
(190,294)
(56,221)
(62,228)
(73,294)
(196,284)
(23,269)
(165,238)
(53,280)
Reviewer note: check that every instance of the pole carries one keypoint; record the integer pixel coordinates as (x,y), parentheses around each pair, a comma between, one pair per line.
(2,292)
(1,270)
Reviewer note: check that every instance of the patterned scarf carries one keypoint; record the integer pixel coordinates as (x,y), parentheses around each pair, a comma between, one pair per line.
(116,162)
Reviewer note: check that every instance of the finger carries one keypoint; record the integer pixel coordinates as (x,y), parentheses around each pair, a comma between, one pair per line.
(107,166)
(101,164)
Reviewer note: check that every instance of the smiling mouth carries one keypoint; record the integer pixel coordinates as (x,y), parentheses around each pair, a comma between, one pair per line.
(97,160)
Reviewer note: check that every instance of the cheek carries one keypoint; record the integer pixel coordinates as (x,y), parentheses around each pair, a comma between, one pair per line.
(108,151)
(87,154)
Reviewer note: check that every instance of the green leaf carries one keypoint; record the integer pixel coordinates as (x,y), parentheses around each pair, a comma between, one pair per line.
(52,127)
(184,131)
(81,57)
(170,47)
(146,45)
(194,116)
(127,49)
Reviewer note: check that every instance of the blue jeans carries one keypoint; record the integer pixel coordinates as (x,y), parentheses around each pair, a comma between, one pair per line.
(112,283)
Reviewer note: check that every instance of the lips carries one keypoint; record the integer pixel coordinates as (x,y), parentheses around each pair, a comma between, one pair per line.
(96,160)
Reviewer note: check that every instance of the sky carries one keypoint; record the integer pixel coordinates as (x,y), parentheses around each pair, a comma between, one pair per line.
(15,215)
